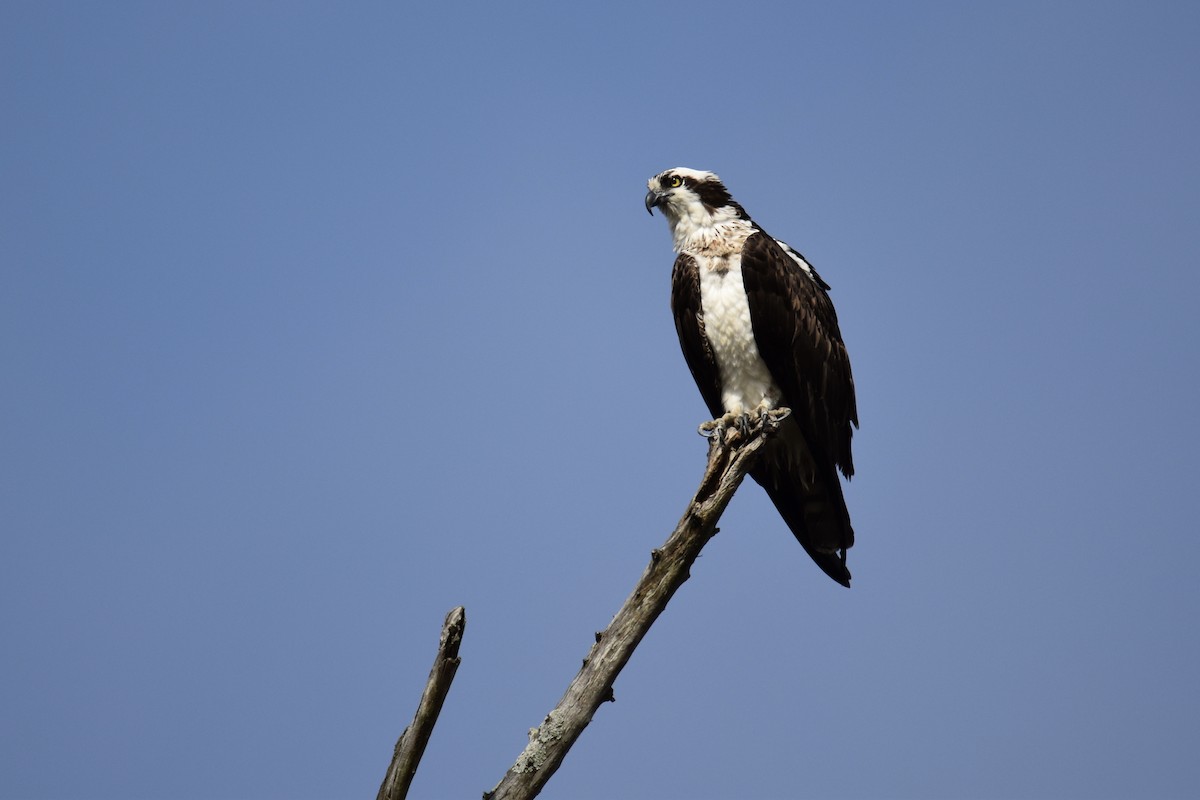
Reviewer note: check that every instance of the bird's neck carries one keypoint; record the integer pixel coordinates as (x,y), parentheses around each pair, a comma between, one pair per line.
(698,229)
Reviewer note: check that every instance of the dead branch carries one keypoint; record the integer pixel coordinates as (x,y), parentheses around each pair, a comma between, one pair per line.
(411,744)
(728,463)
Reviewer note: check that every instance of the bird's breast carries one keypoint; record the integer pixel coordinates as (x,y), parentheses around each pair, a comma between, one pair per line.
(746,382)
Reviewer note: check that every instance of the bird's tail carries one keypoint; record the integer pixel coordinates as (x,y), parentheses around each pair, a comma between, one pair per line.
(810,501)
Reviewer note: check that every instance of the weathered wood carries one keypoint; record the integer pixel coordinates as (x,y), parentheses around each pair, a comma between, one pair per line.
(411,744)
(728,463)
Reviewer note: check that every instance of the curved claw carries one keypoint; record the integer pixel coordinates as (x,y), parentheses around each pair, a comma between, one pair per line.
(743,425)
(715,429)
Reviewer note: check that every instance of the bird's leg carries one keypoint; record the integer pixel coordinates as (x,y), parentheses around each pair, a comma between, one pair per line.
(760,415)
(763,417)
(767,417)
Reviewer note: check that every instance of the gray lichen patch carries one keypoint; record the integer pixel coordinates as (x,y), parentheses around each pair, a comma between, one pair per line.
(533,757)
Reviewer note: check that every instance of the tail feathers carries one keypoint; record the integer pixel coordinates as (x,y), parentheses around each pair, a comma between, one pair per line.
(816,514)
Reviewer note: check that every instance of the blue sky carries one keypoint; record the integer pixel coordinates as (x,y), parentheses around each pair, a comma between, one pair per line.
(316,321)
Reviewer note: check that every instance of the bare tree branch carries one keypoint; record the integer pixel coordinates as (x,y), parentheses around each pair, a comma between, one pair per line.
(411,744)
(728,463)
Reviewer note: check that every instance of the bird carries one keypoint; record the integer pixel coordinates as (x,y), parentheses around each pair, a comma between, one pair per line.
(760,334)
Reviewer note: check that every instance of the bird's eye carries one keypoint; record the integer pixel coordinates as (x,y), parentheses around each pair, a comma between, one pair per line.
(675,181)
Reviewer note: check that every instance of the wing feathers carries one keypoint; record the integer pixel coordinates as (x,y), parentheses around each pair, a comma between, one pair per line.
(689,324)
(796,330)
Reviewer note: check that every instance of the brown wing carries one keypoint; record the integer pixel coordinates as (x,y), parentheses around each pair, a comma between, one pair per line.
(689,324)
(796,330)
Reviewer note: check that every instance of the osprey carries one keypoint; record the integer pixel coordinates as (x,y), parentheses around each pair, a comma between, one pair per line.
(759,333)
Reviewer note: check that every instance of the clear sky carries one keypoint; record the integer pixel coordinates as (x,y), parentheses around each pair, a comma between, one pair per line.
(317,320)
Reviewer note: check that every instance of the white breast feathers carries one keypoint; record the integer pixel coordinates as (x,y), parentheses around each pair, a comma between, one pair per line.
(746,384)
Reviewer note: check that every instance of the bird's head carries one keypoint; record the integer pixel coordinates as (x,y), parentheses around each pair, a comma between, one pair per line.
(691,199)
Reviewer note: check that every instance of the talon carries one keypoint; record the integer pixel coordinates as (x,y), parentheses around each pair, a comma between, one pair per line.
(743,425)
(715,428)
(746,423)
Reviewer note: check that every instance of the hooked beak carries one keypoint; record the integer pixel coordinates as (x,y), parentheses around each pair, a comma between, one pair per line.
(653,199)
